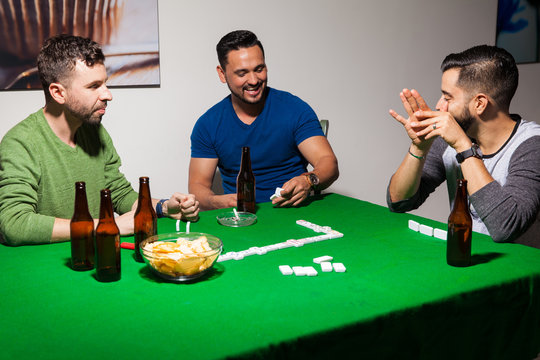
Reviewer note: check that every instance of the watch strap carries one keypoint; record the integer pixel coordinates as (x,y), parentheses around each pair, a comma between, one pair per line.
(159,208)
(473,151)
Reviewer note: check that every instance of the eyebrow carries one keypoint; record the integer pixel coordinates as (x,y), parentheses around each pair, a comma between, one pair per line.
(446,93)
(238,71)
(97,82)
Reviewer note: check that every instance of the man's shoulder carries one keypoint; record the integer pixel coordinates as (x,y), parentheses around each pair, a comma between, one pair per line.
(529,127)
(26,129)
(285,97)
(217,108)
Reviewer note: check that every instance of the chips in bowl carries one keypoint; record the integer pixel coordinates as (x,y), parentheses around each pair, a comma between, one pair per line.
(181,256)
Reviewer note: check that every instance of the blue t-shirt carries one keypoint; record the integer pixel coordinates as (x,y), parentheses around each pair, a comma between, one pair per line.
(273,139)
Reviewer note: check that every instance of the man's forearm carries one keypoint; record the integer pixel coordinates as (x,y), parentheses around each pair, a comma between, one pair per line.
(406,180)
(327,171)
(208,200)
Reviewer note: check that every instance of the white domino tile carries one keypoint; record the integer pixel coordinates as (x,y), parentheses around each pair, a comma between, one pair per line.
(413,225)
(326,266)
(440,234)
(310,271)
(339,267)
(286,269)
(321,259)
(426,230)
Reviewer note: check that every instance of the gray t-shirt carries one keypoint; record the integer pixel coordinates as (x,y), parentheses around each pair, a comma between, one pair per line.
(504,208)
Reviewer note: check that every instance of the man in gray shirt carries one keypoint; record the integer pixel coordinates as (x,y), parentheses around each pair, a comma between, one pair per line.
(473,136)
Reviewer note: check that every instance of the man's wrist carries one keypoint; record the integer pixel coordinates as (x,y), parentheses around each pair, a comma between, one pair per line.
(312,179)
(417,153)
(161,208)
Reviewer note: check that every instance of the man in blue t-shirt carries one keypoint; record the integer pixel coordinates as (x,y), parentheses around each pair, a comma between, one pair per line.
(282,131)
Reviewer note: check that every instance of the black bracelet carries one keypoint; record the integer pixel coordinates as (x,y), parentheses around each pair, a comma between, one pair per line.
(159,208)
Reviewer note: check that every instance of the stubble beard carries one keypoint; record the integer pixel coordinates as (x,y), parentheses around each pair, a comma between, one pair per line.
(242,98)
(465,120)
(86,116)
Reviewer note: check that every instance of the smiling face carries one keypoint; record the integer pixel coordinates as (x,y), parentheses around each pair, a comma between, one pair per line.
(455,99)
(245,75)
(87,93)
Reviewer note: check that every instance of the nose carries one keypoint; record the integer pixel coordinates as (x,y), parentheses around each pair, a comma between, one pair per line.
(252,78)
(440,104)
(105,94)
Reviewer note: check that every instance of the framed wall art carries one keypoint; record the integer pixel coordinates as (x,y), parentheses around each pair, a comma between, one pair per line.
(127,31)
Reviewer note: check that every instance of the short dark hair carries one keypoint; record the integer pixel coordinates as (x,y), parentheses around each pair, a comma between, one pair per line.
(59,55)
(235,40)
(487,69)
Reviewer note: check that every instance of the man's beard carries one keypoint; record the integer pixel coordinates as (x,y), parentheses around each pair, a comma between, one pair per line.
(240,96)
(465,120)
(87,116)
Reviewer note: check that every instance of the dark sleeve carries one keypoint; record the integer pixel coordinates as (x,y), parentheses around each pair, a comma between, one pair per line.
(433,174)
(508,210)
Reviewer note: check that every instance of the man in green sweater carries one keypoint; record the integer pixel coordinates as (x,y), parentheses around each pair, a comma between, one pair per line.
(43,156)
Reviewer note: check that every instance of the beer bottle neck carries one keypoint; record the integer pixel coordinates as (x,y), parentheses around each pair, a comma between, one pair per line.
(106,209)
(245,164)
(461,195)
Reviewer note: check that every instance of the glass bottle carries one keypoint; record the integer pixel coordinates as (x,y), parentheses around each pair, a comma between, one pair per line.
(458,245)
(81,231)
(245,184)
(145,220)
(107,241)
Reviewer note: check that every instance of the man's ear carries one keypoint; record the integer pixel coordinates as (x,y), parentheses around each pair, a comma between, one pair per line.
(480,103)
(221,74)
(58,92)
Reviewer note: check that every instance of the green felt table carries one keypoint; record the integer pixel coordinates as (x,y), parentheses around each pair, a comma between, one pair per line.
(397,299)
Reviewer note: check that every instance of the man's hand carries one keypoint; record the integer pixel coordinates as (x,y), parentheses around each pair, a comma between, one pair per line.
(294,192)
(124,222)
(441,123)
(413,102)
(182,207)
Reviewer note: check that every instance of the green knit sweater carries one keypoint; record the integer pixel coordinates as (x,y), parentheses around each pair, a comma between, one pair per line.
(38,173)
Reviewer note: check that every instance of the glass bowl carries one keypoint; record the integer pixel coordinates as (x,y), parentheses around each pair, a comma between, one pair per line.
(181,256)
(230,219)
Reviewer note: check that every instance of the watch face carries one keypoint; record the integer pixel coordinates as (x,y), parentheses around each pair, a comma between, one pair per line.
(314,179)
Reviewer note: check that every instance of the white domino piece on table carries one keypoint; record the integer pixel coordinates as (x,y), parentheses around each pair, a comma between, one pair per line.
(426,230)
(238,256)
(224,257)
(413,225)
(440,234)
(310,271)
(321,259)
(286,269)
(335,234)
(309,240)
(299,270)
(326,266)
(339,267)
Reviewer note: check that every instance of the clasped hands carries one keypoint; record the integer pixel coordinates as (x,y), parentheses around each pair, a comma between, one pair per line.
(182,207)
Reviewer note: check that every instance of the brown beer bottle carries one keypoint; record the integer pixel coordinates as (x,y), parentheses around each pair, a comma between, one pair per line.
(145,220)
(458,245)
(82,231)
(107,241)
(245,184)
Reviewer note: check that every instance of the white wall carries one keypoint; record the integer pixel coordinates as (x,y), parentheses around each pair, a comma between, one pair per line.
(349,59)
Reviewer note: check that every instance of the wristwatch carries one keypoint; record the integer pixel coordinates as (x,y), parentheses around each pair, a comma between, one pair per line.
(312,179)
(473,151)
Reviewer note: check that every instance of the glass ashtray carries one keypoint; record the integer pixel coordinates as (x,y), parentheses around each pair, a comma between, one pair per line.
(241,218)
